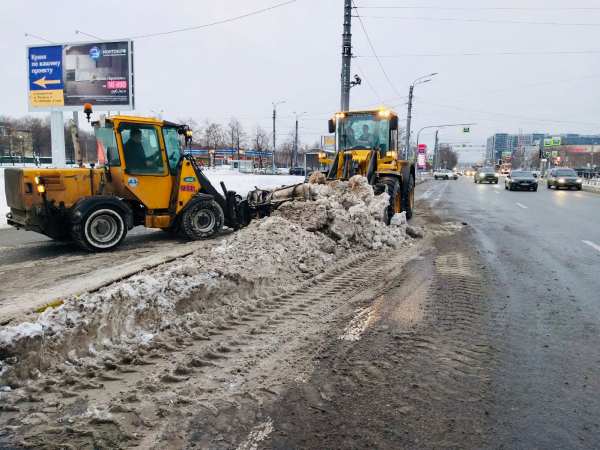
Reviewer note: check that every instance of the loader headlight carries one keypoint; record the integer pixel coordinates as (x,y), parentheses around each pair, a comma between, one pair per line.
(37,180)
(41,188)
(390,154)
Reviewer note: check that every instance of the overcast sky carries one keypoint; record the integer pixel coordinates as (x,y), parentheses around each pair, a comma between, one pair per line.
(292,53)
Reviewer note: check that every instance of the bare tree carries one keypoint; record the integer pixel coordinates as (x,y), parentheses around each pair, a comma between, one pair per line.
(447,157)
(214,136)
(236,134)
(261,139)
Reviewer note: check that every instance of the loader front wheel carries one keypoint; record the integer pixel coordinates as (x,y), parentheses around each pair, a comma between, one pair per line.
(408,197)
(392,186)
(202,219)
(101,229)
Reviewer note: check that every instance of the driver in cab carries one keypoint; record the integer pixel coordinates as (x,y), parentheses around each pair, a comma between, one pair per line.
(366,138)
(134,151)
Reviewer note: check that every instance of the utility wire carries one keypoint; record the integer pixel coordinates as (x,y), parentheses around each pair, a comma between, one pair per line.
(502,53)
(477,8)
(366,78)
(218,22)
(362,25)
(456,19)
(531,119)
(39,38)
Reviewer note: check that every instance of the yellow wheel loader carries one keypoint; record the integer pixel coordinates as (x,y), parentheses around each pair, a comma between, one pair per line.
(146,179)
(367,145)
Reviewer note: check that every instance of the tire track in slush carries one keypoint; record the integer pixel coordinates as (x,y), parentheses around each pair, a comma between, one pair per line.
(152,399)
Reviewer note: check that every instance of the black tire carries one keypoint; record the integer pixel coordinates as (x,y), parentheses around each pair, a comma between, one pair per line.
(408,197)
(496,182)
(201,219)
(548,185)
(392,187)
(435,178)
(579,188)
(535,189)
(506,186)
(101,229)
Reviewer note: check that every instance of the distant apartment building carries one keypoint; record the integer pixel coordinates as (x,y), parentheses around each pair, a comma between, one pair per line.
(503,144)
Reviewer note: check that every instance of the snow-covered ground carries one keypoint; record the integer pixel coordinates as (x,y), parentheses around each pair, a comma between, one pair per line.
(242,183)
(234,180)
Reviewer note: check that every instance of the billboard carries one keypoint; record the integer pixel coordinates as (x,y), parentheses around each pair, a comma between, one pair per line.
(552,142)
(66,76)
(422,156)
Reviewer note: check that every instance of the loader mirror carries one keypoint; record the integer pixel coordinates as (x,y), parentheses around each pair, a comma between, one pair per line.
(331,124)
(394,123)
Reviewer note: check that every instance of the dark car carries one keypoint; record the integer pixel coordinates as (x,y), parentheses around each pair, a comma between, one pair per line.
(564,178)
(297,171)
(486,175)
(521,180)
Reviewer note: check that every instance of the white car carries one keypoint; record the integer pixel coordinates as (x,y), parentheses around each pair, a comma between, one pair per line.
(444,174)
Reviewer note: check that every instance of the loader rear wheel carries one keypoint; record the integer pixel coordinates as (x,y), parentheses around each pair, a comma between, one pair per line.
(392,186)
(202,219)
(101,229)
(408,197)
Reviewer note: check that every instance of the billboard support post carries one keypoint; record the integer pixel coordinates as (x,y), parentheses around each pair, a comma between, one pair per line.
(57,132)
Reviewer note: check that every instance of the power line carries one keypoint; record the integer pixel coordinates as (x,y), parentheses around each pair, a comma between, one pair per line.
(218,22)
(39,38)
(477,8)
(531,119)
(362,25)
(501,53)
(456,19)
(366,78)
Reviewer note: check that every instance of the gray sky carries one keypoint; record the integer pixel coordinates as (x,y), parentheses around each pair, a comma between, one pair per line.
(293,53)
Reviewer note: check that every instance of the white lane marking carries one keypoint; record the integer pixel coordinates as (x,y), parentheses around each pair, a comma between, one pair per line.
(496,192)
(591,244)
(520,205)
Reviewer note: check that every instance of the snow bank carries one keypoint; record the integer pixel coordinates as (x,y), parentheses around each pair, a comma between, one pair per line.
(205,289)
(242,183)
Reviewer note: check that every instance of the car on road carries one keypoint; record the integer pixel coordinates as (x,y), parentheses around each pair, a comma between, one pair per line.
(519,180)
(562,177)
(444,174)
(297,171)
(486,175)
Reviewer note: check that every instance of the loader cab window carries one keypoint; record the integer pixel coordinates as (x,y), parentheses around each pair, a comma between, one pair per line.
(363,131)
(141,150)
(173,147)
(106,145)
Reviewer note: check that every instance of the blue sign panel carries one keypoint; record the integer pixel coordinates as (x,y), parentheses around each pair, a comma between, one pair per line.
(45,68)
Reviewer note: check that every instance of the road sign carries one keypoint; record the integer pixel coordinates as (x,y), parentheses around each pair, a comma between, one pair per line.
(46,87)
(466,129)
(552,142)
(66,76)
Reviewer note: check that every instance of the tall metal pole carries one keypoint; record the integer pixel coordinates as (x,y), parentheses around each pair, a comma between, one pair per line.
(346,56)
(408,119)
(435,150)
(274,134)
(295,154)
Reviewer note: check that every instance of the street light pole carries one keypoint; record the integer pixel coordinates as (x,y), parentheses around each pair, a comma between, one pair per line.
(275,129)
(437,127)
(411,89)
(295,150)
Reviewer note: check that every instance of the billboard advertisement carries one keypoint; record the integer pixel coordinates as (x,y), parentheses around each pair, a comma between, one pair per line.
(66,76)
(422,156)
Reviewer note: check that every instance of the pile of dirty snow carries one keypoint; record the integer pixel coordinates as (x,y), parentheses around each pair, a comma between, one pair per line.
(348,212)
(302,239)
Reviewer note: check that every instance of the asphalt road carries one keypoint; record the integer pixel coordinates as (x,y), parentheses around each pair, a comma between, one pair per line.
(543,251)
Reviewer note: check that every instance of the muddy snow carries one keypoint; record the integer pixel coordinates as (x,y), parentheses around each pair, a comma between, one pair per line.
(300,240)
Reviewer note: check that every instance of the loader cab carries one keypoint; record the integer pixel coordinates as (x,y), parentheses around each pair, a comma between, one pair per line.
(142,156)
(366,130)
